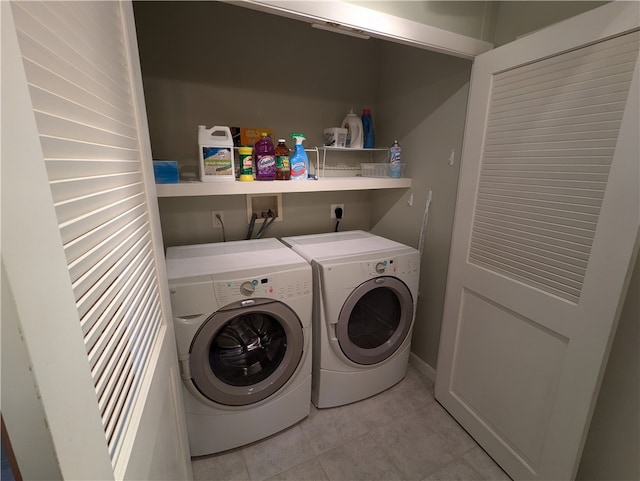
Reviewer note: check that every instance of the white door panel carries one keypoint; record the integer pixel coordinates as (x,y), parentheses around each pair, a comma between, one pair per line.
(82,244)
(546,229)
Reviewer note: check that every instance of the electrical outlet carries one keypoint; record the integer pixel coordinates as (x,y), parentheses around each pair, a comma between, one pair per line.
(333,210)
(216,221)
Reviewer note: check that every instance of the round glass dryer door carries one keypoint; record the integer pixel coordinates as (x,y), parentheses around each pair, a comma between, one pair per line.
(246,352)
(375,320)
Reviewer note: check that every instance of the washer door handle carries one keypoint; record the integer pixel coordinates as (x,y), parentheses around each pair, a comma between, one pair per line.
(379,280)
(248,302)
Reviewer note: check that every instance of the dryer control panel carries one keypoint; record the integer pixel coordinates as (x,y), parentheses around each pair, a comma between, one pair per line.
(390,266)
(276,286)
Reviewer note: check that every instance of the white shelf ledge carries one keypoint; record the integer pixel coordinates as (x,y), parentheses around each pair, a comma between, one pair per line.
(349,149)
(187,189)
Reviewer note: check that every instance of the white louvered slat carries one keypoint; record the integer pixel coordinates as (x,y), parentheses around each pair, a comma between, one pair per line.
(76,227)
(548,217)
(578,120)
(90,238)
(97,253)
(63,108)
(92,284)
(549,172)
(131,354)
(77,69)
(554,266)
(577,61)
(134,350)
(531,136)
(111,306)
(142,359)
(565,257)
(549,270)
(555,127)
(549,196)
(71,189)
(101,354)
(570,209)
(516,272)
(560,115)
(551,132)
(79,206)
(555,86)
(539,211)
(80,80)
(546,167)
(53,126)
(98,21)
(54,55)
(110,383)
(548,183)
(66,42)
(535,228)
(61,149)
(74,95)
(62,169)
(526,240)
(595,90)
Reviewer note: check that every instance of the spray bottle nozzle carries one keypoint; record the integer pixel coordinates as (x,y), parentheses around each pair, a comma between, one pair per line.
(298,138)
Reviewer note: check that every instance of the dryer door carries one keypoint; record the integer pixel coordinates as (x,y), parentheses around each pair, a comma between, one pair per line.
(375,320)
(246,351)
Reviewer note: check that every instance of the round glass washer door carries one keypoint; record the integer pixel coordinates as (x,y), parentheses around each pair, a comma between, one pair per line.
(246,351)
(375,320)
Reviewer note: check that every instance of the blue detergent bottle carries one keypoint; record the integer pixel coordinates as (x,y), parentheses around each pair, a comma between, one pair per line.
(299,162)
(367,128)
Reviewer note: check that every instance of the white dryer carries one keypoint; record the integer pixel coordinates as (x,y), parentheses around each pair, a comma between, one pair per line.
(242,320)
(365,297)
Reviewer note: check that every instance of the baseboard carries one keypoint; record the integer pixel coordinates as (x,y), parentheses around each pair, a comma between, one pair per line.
(422,366)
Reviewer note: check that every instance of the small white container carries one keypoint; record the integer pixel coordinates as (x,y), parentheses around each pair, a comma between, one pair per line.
(216,154)
(380,170)
(335,137)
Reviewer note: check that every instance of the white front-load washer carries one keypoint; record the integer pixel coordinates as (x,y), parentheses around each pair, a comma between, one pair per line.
(242,320)
(365,297)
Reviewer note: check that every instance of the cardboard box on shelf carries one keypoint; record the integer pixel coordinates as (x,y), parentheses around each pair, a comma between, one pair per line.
(248,136)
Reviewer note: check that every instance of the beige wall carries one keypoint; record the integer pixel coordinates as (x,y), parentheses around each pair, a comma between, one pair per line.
(423,101)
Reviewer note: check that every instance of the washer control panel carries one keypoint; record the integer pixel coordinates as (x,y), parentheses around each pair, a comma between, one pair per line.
(277,286)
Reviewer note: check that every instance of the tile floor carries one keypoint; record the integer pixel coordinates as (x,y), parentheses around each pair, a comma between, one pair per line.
(400,434)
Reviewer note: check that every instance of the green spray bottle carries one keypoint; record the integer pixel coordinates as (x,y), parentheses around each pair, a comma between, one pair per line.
(299,162)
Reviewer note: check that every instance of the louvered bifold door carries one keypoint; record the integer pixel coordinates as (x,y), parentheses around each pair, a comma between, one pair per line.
(76,65)
(551,135)
(545,236)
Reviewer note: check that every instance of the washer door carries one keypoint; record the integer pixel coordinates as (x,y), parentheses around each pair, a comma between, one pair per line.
(375,320)
(246,351)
